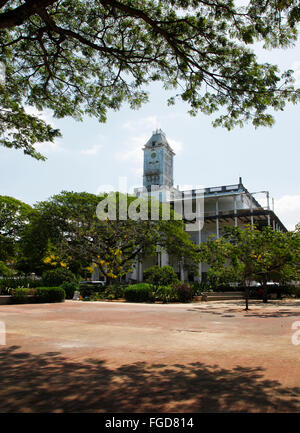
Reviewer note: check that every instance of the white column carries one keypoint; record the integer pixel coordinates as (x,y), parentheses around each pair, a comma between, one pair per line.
(234,207)
(140,271)
(181,271)
(164,258)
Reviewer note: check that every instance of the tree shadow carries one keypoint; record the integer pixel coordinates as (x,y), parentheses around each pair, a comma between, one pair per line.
(50,382)
(256,309)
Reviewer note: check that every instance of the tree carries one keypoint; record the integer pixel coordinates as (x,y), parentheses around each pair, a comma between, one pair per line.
(248,254)
(14,218)
(79,57)
(77,236)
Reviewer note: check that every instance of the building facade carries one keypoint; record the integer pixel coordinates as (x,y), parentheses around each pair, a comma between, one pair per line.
(226,205)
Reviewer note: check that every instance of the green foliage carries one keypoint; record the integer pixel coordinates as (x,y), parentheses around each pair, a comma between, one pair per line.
(22,295)
(248,254)
(5,271)
(14,218)
(69,288)
(160,276)
(166,294)
(7,284)
(77,57)
(70,220)
(184,292)
(39,295)
(296,292)
(141,292)
(50,294)
(56,277)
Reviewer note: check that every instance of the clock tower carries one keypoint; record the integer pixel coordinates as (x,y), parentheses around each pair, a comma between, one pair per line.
(158,161)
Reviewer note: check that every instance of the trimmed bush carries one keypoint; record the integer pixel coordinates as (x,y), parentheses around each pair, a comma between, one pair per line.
(22,295)
(56,277)
(7,284)
(50,294)
(69,289)
(138,293)
(160,276)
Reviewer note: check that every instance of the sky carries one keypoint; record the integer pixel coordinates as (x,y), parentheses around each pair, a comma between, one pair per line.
(93,157)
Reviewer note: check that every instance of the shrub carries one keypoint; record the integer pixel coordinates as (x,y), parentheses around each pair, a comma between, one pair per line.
(184,292)
(166,294)
(138,293)
(50,294)
(89,289)
(23,295)
(56,277)
(296,291)
(69,289)
(8,284)
(160,276)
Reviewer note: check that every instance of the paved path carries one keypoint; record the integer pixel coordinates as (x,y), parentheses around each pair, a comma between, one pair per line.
(121,357)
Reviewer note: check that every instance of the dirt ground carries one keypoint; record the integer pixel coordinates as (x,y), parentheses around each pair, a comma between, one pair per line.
(123,357)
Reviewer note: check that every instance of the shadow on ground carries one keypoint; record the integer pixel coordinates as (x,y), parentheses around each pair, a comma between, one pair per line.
(256,309)
(51,383)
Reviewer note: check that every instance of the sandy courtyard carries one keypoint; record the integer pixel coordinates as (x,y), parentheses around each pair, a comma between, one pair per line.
(122,357)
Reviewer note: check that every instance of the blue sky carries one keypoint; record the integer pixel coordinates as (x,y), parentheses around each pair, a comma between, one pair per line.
(91,155)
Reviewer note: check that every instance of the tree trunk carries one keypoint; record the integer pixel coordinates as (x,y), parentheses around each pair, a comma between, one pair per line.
(265,294)
(246,297)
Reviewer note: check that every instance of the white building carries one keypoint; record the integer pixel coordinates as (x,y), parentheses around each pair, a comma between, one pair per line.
(220,205)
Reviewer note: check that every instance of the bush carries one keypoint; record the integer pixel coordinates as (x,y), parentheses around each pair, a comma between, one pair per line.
(23,295)
(296,291)
(8,284)
(87,290)
(160,276)
(56,277)
(166,294)
(138,293)
(69,289)
(50,294)
(184,292)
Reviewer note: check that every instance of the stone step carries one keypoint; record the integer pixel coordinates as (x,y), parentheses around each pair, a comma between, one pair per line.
(222,298)
(223,293)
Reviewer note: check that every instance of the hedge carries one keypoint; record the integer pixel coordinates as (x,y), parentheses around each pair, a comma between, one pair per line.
(6,284)
(138,293)
(38,295)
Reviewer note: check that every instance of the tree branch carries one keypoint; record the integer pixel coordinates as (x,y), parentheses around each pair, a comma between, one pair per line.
(20,14)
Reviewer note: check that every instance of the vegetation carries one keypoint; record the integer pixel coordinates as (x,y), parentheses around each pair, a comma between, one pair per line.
(249,254)
(141,292)
(160,276)
(56,277)
(22,295)
(81,57)
(69,288)
(73,236)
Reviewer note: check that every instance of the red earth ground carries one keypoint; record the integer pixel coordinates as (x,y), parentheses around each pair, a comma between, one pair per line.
(123,357)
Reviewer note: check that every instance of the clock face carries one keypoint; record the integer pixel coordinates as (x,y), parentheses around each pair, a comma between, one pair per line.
(153,155)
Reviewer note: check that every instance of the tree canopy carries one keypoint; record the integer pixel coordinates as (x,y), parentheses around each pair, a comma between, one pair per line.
(78,57)
(14,218)
(247,254)
(67,232)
